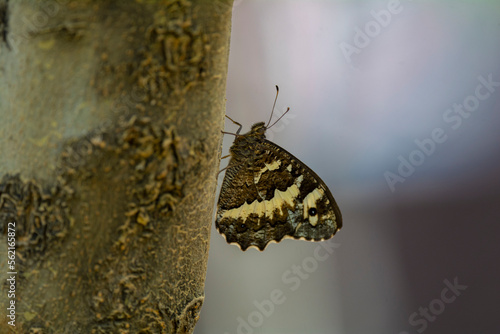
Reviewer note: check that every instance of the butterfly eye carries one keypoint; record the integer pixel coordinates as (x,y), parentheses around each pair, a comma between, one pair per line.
(313,212)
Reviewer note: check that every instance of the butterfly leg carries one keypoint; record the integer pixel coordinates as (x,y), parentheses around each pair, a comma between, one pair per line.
(240,126)
(223,169)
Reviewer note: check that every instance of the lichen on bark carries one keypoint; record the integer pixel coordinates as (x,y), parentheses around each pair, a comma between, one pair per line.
(108,165)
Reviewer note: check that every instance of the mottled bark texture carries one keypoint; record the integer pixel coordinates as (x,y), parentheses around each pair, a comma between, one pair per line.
(110,119)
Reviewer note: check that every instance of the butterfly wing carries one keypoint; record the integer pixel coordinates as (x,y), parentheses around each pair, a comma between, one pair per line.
(271,196)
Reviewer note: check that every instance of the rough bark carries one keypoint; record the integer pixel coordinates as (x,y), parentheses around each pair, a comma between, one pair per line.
(110,119)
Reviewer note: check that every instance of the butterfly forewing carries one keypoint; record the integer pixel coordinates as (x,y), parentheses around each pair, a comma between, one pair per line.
(268,195)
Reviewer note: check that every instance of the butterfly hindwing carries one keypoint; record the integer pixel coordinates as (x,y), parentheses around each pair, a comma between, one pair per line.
(319,216)
(268,195)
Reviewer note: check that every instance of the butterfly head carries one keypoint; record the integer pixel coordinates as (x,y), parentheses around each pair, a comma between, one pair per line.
(258,130)
(244,145)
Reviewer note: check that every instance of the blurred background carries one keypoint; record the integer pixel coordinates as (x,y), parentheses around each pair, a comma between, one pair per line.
(396,105)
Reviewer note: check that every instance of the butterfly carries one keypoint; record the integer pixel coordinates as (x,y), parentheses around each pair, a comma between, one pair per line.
(269,195)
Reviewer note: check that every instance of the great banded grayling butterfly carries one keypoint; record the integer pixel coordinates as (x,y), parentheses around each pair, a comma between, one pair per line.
(268,194)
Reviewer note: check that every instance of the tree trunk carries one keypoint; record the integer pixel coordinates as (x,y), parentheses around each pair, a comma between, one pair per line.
(110,119)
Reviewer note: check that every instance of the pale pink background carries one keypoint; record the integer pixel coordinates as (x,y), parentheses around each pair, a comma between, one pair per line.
(350,121)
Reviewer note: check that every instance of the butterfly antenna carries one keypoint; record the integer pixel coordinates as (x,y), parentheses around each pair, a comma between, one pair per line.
(274,104)
(268,127)
(272,111)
